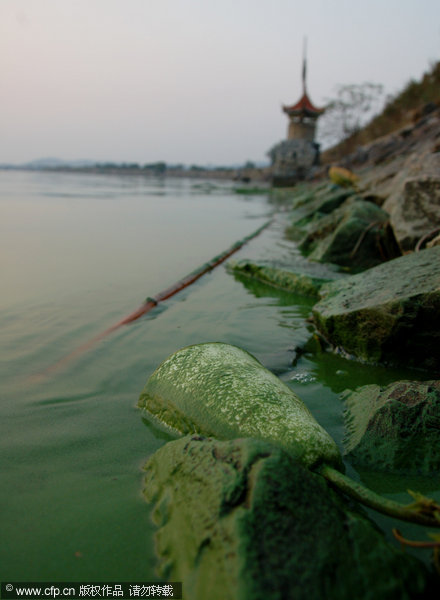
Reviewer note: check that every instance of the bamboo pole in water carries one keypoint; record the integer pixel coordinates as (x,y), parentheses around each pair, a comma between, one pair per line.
(152,302)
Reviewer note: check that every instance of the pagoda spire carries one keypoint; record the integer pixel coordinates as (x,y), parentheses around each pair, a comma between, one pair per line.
(304,71)
(304,109)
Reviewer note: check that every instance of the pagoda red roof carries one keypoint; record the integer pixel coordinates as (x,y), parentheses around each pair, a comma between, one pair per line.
(303,107)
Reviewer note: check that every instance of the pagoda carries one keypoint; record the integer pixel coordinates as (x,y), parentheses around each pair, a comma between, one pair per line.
(293,159)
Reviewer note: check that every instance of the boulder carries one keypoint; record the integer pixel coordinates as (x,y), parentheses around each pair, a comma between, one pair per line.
(324,200)
(418,211)
(297,283)
(216,389)
(241,520)
(396,428)
(356,235)
(414,203)
(389,314)
(312,203)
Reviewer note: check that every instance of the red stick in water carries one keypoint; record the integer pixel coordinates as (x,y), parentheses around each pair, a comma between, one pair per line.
(152,302)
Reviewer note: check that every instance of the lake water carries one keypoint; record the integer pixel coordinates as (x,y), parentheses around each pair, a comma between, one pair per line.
(78,253)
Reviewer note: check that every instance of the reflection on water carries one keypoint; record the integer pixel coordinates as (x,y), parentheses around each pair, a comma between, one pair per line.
(79,252)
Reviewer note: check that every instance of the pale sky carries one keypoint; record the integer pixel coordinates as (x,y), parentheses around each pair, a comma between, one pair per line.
(192,81)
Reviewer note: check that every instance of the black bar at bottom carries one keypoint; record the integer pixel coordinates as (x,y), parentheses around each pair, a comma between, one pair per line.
(45,590)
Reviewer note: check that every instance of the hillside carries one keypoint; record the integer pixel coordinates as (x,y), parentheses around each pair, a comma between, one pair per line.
(415,101)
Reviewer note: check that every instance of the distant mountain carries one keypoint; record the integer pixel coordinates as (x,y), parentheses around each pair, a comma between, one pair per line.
(56,163)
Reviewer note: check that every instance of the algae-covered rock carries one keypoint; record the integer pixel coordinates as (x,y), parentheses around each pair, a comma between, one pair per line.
(323,200)
(220,390)
(313,205)
(396,428)
(297,283)
(356,235)
(388,314)
(241,520)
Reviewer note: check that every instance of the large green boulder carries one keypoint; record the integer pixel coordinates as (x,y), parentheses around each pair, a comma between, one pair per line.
(220,390)
(357,235)
(396,428)
(313,204)
(241,520)
(389,314)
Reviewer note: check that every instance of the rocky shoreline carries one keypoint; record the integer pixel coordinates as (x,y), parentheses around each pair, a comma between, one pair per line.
(383,230)
(240,513)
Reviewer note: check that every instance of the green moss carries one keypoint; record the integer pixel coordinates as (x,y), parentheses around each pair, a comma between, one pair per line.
(355,235)
(241,520)
(396,428)
(388,314)
(296,283)
(312,205)
(323,202)
(362,333)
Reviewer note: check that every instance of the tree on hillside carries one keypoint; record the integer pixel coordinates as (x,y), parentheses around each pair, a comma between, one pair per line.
(353,106)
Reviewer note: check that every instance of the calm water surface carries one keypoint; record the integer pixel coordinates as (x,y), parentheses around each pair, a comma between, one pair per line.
(77,253)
